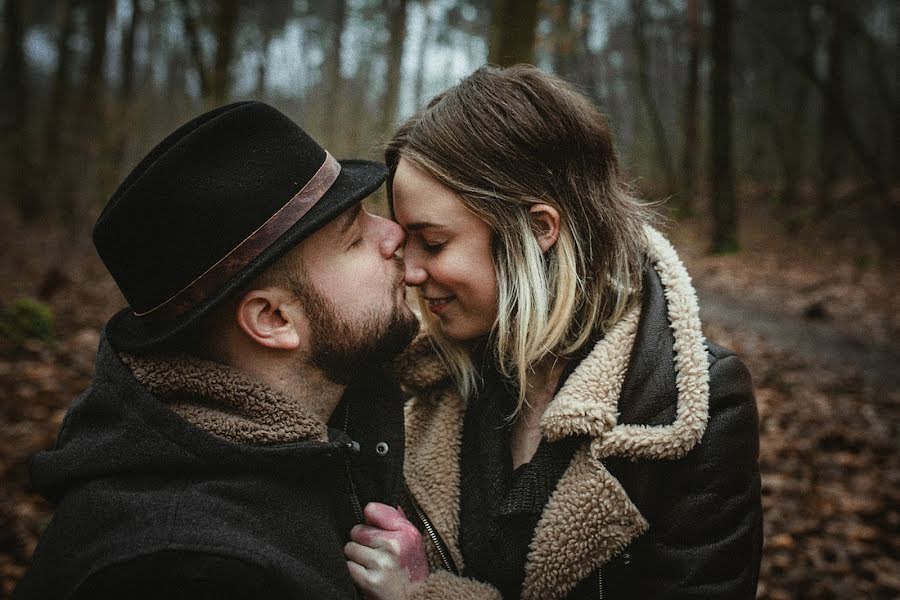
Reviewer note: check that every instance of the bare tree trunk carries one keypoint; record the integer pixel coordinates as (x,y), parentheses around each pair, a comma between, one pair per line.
(332,79)
(830,158)
(643,67)
(192,33)
(689,151)
(787,134)
(127,89)
(563,38)
(419,85)
(513,32)
(59,101)
(261,66)
(118,131)
(226,25)
(14,96)
(98,19)
(88,171)
(724,206)
(396,21)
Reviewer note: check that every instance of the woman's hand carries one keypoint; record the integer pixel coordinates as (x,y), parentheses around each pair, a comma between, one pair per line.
(385,556)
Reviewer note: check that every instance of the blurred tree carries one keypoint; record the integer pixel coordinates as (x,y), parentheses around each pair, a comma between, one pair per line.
(126,89)
(92,98)
(832,138)
(271,18)
(563,38)
(14,103)
(226,28)
(192,32)
(332,79)
(642,74)
(787,125)
(689,150)
(724,206)
(835,105)
(419,83)
(215,81)
(395,11)
(513,26)
(59,98)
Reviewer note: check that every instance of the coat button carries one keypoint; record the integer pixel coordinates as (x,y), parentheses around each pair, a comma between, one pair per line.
(381,448)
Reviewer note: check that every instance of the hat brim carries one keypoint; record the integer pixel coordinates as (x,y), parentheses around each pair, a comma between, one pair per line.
(357,180)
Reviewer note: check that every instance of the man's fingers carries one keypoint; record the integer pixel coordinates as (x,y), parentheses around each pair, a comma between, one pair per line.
(385,517)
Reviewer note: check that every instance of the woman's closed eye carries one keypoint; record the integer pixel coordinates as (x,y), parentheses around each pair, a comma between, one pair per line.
(433,246)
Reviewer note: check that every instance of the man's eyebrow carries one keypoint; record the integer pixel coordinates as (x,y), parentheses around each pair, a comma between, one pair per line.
(347,219)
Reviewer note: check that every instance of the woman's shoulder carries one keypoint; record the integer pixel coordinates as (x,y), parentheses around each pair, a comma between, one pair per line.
(730,384)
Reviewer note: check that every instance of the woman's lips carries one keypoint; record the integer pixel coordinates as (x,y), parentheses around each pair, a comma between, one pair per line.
(438,305)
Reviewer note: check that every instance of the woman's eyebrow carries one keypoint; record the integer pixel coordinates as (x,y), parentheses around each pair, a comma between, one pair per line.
(418,225)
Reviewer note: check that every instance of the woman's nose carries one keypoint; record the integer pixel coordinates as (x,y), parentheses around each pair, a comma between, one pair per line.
(413,273)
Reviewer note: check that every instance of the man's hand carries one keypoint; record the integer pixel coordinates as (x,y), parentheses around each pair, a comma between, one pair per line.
(386,557)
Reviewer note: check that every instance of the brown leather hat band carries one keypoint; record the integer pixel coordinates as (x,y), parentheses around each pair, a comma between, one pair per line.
(229,265)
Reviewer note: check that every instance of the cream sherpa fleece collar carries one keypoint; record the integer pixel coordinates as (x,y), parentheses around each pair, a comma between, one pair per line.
(588,402)
(224,401)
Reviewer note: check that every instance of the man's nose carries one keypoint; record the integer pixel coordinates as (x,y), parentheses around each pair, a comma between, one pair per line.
(393,238)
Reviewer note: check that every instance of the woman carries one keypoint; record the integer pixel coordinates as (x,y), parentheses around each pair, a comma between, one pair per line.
(570,433)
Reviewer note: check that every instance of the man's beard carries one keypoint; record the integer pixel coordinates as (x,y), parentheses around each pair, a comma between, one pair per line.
(341,347)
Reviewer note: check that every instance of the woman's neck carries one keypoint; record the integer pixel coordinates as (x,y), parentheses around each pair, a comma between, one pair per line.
(525,436)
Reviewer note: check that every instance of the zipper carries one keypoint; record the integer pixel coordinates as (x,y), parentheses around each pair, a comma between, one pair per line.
(351,488)
(351,447)
(442,551)
(600,582)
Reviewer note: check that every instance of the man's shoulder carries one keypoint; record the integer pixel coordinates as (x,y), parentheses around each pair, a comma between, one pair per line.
(199,574)
(180,573)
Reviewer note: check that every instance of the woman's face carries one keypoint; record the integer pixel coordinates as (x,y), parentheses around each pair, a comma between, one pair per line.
(447,254)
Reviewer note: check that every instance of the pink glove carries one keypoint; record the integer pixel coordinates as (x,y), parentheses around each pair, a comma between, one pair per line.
(386,557)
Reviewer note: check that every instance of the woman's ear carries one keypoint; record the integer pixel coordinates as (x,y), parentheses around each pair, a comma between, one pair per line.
(545,225)
(265,317)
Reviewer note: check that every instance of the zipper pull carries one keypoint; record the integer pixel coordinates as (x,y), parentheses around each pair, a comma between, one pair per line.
(352,446)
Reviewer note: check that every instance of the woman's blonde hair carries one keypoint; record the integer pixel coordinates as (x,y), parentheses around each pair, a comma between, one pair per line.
(504,140)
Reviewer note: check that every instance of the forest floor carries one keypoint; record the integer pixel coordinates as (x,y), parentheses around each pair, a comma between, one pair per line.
(811,311)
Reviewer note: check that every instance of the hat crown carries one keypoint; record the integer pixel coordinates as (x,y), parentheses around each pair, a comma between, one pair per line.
(198,194)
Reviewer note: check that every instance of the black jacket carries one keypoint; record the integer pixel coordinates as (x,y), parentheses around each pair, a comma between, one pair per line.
(150,506)
(661,495)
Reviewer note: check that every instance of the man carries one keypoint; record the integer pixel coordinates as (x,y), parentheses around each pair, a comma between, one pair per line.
(199,463)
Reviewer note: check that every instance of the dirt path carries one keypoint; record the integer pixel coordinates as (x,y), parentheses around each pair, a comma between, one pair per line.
(815,340)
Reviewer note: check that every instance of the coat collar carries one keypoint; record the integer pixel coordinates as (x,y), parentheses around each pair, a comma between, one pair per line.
(224,401)
(591,399)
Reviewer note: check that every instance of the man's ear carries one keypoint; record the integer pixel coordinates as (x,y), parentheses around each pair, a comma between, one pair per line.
(545,225)
(265,316)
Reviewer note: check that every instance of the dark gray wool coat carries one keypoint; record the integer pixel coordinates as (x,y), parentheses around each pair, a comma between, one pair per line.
(151,506)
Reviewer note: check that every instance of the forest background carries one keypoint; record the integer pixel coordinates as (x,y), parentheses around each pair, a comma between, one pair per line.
(768,130)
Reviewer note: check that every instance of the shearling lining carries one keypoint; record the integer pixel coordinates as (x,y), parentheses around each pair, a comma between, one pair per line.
(224,401)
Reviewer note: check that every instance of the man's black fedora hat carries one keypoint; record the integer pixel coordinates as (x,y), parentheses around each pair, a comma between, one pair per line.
(209,208)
